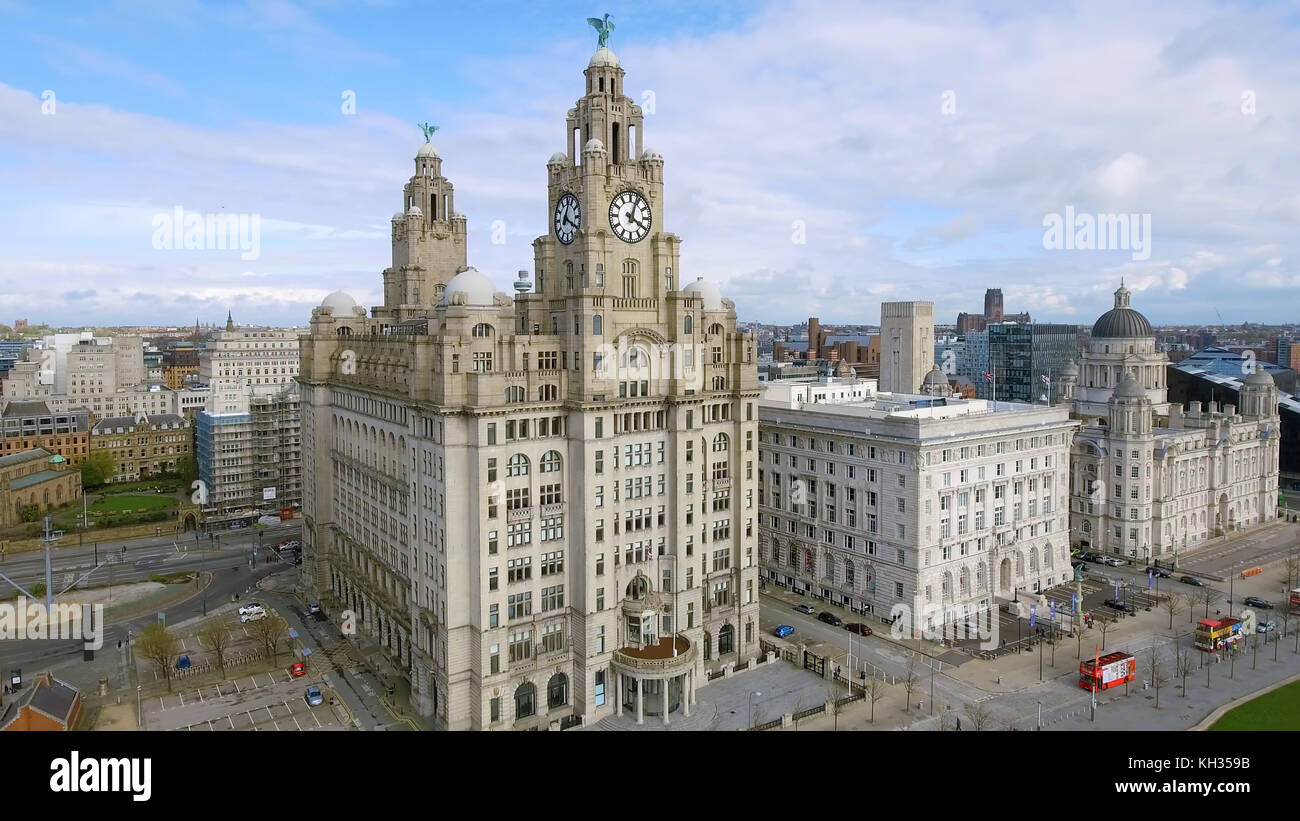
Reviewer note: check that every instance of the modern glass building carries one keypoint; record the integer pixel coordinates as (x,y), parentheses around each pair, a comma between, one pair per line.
(1020,356)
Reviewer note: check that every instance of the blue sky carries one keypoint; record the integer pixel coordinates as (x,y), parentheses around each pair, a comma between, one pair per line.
(920,152)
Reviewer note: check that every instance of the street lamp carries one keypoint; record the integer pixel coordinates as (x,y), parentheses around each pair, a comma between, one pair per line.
(751,706)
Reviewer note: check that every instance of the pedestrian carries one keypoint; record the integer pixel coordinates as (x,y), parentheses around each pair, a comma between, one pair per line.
(959,723)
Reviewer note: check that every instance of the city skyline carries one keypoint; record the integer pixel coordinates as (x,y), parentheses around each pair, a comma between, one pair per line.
(926,184)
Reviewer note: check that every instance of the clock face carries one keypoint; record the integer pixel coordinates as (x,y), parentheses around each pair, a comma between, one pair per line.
(568,218)
(629,216)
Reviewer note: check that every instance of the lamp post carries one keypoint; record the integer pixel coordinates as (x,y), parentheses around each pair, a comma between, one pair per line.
(751,706)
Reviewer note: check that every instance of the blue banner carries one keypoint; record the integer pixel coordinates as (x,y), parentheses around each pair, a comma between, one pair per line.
(1151,579)
(1033,615)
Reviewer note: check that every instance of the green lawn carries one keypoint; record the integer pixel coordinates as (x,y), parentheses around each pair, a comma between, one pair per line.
(1278,710)
(167,485)
(118,504)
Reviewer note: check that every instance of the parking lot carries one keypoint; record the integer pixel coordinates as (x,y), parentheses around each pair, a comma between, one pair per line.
(261,701)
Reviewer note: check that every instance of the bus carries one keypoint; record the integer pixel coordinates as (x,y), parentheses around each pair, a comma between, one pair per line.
(1110,670)
(1218,634)
(1295,602)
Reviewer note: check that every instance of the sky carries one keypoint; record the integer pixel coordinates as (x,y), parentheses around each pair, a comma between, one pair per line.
(820,157)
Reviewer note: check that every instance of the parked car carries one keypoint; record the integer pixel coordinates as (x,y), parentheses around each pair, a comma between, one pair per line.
(1116,604)
(1192,580)
(256,615)
(1257,602)
(298,669)
(251,607)
(782,630)
(858,627)
(830,618)
(1112,561)
(183,663)
(805,608)
(1265,627)
(313,696)
(1162,573)
(313,608)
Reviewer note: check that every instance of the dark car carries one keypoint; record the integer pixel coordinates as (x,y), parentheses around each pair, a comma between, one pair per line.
(1121,606)
(830,618)
(858,627)
(1192,580)
(805,608)
(1256,601)
(1156,571)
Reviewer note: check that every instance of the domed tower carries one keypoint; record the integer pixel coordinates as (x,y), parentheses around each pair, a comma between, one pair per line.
(1066,381)
(1258,395)
(1122,342)
(1130,409)
(428,238)
(936,384)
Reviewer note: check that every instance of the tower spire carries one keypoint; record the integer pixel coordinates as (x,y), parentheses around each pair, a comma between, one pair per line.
(230,322)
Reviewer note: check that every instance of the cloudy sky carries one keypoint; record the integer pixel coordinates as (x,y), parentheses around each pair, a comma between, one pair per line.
(820,157)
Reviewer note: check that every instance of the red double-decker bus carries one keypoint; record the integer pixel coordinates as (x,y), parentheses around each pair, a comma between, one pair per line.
(1110,670)
(1295,602)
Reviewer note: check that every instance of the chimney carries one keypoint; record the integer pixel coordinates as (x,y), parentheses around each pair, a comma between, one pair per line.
(1193,408)
(1175,416)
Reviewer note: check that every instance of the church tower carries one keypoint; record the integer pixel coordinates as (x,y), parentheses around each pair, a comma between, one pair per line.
(428,242)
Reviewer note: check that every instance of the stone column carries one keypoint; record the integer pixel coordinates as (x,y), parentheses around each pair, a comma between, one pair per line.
(618,694)
(686,694)
(640,697)
(664,683)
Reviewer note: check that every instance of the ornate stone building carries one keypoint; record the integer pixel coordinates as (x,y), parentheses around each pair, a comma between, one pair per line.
(540,510)
(1150,479)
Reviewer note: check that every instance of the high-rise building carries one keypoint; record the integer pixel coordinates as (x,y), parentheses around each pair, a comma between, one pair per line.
(906,345)
(1025,361)
(250,461)
(541,510)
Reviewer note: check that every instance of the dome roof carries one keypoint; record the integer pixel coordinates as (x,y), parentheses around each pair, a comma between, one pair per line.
(651,154)
(414,211)
(1122,322)
(339,303)
(707,291)
(476,287)
(1261,377)
(603,57)
(398,216)
(935,377)
(558,158)
(426,150)
(593,145)
(1129,388)
(1070,369)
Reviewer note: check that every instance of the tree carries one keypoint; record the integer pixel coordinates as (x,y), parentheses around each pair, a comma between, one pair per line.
(187,469)
(270,631)
(1106,624)
(1173,605)
(214,638)
(159,647)
(1209,596)
(1158,673)
(910,681)
(29,513)
(1183,662)
(97,469)
(980,715)
(875,690)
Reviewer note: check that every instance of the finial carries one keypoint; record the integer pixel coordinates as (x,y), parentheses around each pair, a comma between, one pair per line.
(428,130)
(602,27)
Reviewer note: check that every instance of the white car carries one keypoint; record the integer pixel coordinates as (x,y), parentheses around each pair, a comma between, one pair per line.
(251,607)
(253,616)
(1111,561)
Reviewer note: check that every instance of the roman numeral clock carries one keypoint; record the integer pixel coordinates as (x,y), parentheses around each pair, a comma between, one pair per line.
(629,216)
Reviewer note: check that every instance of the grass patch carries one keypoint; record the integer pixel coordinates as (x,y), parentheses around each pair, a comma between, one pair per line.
(172,578)
(131,504)
(1278,710)
(166,485)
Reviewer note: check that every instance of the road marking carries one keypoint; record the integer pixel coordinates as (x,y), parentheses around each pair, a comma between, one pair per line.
(232,722)
(272,715)
(317,720)
(181,696)
(210,727)
(255,686)
(200,692)
(251,722)
(296,724)
(287,707)
(236,683)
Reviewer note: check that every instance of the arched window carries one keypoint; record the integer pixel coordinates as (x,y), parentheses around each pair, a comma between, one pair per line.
(482,329)
(637,588)
(525,700)
(848,572)
(794,556)
(686,324)
(517,466)
(809,562)
(551,462)
(947,586)
(557,691)
(597,325)
(726,638)
(514,394)
(830,568)
(719,383)
(776,553)
(547,393)
(716,329)
(720,443)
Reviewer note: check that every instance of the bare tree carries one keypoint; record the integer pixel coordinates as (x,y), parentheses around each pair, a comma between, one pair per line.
(1173,605)
(910,681)
(1183,662)
(160,648)
(979,714)
(270,631)
(1158,673)
(1208,596)
(1106,624)
(875,689)
(214,638)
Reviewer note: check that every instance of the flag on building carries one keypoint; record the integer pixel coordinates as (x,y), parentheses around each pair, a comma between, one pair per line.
(988,376)
(1046,381)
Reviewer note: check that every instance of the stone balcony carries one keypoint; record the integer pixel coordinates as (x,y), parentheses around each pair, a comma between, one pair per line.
(657,660)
